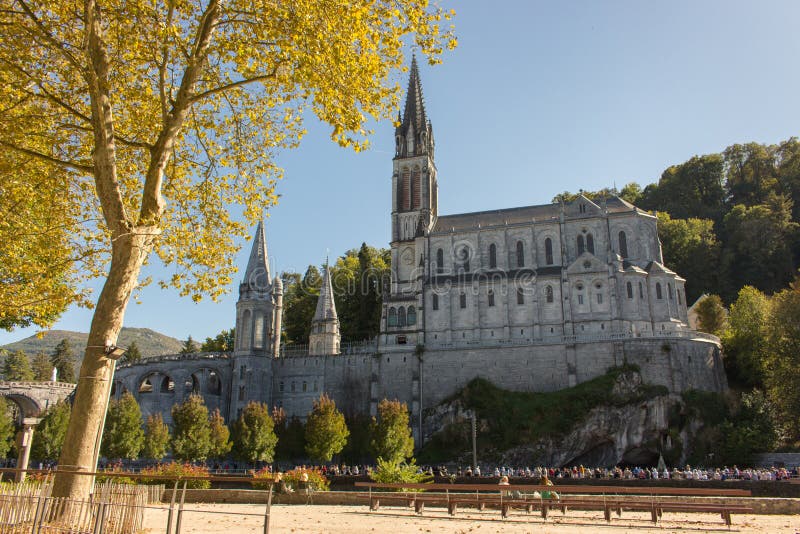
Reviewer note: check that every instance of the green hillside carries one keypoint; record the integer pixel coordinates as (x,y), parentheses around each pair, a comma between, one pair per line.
(150,342)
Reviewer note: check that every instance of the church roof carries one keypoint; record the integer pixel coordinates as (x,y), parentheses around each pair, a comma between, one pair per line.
(468,221)
(257,272)
(414,111)
(326,307)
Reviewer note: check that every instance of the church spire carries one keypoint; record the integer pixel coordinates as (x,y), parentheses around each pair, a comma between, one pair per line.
(414,112)
(257,273)
(326,307)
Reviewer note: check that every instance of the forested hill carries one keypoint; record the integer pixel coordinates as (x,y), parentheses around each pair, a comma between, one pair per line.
(150,342)
(727,220)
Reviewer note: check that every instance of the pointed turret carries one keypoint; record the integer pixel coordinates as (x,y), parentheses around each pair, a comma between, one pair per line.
(326,307)
(325,337)
(256,276)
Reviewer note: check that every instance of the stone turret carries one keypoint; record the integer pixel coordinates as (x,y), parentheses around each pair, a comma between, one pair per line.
(325,337)
(277,298)
(255,309)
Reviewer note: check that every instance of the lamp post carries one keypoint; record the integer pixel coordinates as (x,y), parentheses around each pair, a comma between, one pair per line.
(113,353)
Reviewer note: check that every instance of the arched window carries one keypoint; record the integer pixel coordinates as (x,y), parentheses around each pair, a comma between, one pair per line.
(493,256)
(416,199)
(462,255)
(258,330)
(520,254)
(401,316)
(462,300)
(405,192)
(580,245)
(411,316)
(246,340)
(669,290)
(548,294)
(590,243)
(167,385)
(491,297)
(548,251)
(623,244)
(435,301)
(392,317)
(579,288)
(641,291)
(520,296)
(629,287)
(678,291)
(658,290)
(440,261)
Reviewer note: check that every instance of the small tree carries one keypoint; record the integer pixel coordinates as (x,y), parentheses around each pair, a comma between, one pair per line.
(254,436)
(42,368)
(191,438)
(6,429)
(222,343)
(711,315)
(156,437)
(17,367)
(123,436)
(189,346)
(48,439)
(63,359)
(132,353)
(391,435)
(326,432)
(220,436)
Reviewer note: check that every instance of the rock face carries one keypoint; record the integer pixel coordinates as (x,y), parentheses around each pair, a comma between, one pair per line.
(632,427)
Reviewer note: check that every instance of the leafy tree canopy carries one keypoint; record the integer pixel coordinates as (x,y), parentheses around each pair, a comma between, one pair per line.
(254,437)
(48,438)
(132,353)
(391,434)
(326,431)
(63,359)
(17,367)
(123,436)
(191,431)
(222,343)
(156,437)
(220,436)
(7,429)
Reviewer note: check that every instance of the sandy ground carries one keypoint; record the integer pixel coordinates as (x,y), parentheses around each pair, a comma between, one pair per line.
(230,519)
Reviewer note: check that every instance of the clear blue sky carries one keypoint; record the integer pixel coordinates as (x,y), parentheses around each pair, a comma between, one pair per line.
(539,97)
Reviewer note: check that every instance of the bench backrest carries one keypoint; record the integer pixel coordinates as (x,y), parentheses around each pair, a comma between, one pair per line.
(530,488)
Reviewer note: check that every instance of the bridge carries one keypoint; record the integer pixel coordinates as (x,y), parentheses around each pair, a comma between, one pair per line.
(33,399)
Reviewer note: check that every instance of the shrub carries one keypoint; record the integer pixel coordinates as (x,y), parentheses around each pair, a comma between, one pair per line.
(397,472)
(177,471)
(316,479)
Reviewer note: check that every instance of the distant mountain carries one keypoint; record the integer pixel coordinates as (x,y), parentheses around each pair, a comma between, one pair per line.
(150,342)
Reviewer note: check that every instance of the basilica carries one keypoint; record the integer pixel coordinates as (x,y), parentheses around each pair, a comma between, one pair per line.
(532,298)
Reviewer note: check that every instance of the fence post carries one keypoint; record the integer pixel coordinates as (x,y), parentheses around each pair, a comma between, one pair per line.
(171,508)
(180,509)
(101,518)
(269,505)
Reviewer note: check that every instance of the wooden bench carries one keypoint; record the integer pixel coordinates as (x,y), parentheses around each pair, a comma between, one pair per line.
(607,499)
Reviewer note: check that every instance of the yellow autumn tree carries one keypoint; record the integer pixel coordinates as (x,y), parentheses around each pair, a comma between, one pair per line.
(143,121)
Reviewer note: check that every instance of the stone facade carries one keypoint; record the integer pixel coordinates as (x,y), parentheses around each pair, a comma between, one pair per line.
(536,298)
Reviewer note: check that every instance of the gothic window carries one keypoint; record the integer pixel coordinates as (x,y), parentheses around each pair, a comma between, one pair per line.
(242,372)
(401,316)
(599,298)
(580,299)
(623,245)
(579,288)
(435,302)
(678,291)
(462,300)
(669,290)
(258,330)
(416,199)
(520,296)
(520,254)
(641,291)
(440,261)
(629,287)
(548,294)
(411,316)
(493,256)
(246,329)
(658,290)
(280,387)
(167,385)
(392,317)
(305,385)
(405,178)
(463,257)
(548,251)
(580,245)
(241,393)
(491,297)
(590,243)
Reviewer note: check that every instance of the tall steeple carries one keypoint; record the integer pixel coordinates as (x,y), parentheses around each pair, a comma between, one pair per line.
(414,112)
(325,337)
(256,276)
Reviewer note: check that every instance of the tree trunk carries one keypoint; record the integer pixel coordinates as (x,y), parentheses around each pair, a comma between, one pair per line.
(91,396)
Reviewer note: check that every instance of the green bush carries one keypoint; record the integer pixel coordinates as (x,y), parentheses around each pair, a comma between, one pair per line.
(397,472)
(177,471)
